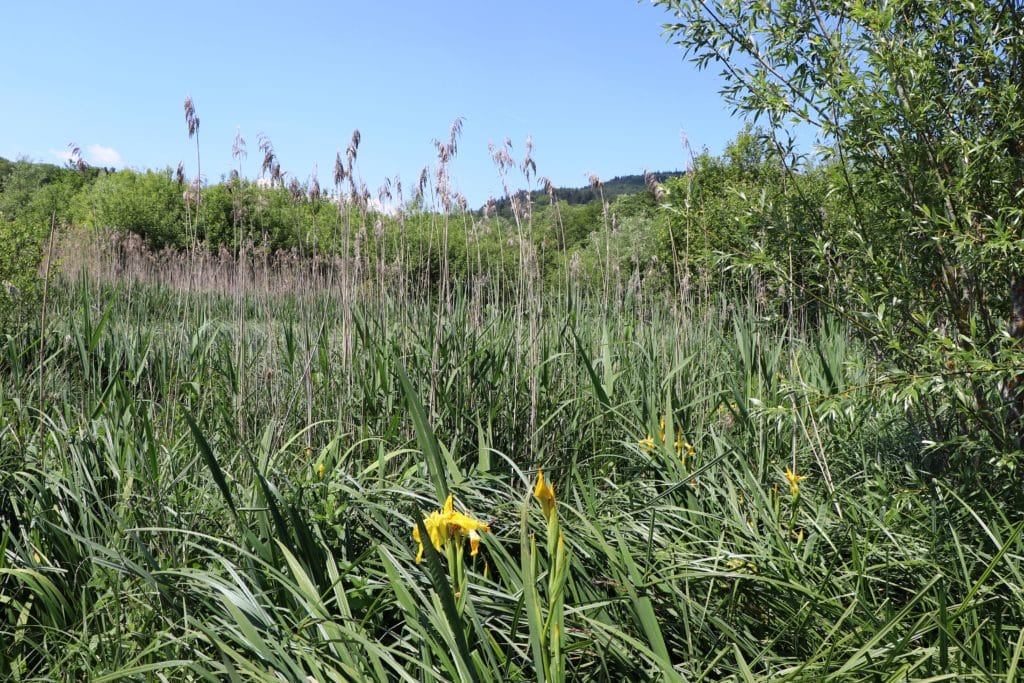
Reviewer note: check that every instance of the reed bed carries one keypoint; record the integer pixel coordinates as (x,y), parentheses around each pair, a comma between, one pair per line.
(326,465)
(211,467)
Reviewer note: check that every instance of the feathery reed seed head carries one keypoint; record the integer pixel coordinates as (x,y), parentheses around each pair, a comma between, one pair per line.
(76,160)
(238,148)
(190,117)
(339,169)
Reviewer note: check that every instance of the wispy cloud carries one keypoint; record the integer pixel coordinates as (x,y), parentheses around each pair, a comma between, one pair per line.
(104,156)
(62,154)
(97,155)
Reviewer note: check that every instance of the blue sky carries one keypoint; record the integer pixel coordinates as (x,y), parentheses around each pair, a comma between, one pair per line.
(594,83)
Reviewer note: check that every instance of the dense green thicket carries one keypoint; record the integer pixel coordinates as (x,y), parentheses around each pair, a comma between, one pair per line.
(918,111)
(658,234)
(32,198)
(633,233)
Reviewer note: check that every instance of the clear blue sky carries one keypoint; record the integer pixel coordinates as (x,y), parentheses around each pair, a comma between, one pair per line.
(594,83)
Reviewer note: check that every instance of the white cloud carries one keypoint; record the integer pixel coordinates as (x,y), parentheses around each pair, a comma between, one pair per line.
(62,154)
(104,156)
(379,206)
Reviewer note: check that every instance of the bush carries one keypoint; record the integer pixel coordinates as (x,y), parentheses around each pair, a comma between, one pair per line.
(148,204)
(917,107)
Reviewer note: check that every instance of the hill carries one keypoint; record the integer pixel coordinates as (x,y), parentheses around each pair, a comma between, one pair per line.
(617,186)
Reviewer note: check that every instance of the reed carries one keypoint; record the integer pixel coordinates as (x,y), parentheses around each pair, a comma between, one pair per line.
(212,462)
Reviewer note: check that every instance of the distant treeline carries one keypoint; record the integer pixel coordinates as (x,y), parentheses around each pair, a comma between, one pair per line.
(594,192)
(657,230)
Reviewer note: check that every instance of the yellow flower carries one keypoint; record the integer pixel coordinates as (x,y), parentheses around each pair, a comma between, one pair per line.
(794,481)
(447,523)
(436,531)
(683,447)
(740,566)
(648,444)
(321,470)
(545,493)
(474,542)
(459,523)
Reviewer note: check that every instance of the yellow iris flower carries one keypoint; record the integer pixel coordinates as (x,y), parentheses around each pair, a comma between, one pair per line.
(738,565)
(684,448)
(545,493)
(794,481)
(448,523)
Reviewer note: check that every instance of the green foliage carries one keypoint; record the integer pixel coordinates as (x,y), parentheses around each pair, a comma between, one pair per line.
(918,108)
(625,252)
(609,191)
(148,204)
(172,511)
(22,247)
(206,486)
(5,169)
(426,246)
(577,222)
(720,207)
(34,198)
(20,183)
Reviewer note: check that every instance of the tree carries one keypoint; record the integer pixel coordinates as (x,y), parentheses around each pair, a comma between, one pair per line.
(919,107)
(148,204)
(34,198)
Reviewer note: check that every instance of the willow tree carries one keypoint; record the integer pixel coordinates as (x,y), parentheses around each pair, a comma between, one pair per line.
(918,104)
